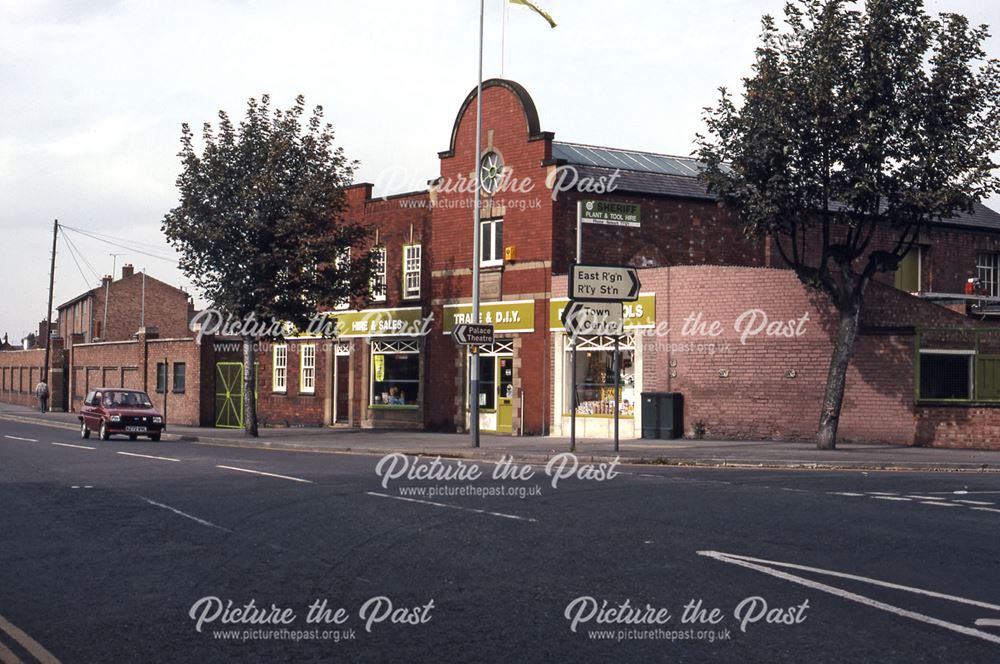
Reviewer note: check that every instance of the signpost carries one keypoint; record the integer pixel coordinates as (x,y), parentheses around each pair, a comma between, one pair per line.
(473,334)
(594,318)
(596,295)
(604,283)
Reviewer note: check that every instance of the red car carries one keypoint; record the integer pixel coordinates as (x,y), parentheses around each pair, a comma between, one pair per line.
(118,411)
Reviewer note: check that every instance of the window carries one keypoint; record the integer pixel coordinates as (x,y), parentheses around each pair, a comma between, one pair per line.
(343,264)
(377,285)
(988,271)
(280,368)
(180,377)
(595,377)
(307,373)
(491,242)
(411,270)
(161,377)
(491,172)
(395,373)
(946,374)
(908,272)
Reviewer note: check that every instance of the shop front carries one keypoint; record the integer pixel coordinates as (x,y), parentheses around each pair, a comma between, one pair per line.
(386,350)
(500,388)
(595,373)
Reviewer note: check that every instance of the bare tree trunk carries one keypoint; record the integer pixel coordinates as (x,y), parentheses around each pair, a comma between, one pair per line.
(836,379)
(249,388)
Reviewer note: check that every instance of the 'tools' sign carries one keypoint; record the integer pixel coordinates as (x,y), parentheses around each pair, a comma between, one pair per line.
(604,283)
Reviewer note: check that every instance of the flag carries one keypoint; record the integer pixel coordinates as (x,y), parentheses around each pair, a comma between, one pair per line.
(535,8)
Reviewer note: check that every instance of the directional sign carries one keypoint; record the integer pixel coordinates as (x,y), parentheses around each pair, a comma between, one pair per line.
(594,318)
(604,283)
(472,334)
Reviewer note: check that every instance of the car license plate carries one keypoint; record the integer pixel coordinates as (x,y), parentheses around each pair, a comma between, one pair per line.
(136,429)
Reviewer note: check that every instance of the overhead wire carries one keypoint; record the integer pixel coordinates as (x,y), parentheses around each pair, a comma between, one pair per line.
(121,243)
(72,255)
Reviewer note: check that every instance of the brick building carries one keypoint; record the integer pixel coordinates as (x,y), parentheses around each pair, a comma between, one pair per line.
(373,376)
(134,300)
(922,373)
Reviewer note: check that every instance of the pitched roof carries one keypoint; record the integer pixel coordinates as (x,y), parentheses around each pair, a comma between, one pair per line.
(671,175)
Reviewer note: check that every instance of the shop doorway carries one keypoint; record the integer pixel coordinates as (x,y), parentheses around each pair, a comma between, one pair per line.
(496,386)
(342,387)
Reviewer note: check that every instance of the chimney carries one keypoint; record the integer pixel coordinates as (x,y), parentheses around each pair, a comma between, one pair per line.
(127,270)
(105,280)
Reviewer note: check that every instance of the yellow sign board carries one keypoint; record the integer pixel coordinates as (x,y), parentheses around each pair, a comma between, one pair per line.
(505,317)
(638,314)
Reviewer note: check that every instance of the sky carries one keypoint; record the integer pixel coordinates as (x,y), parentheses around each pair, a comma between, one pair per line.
(94,93)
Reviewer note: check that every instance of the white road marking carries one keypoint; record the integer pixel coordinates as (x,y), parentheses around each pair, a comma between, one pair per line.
(148,456)
(974,502)
(891,498)
(185,515)
(81,447)
(985,509)
(883,493)
(937,504)
(958,493)
(925,497)
(987,622)
(258,472)
(33,647)
(27,440)
(454,507)
(846,493)
(745,561)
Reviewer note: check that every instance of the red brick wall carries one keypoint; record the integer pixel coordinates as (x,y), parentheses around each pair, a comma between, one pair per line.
(772,387)
(128,364)
(20,371)
(674,231)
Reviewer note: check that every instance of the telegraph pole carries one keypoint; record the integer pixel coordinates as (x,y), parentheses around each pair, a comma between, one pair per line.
(48,311)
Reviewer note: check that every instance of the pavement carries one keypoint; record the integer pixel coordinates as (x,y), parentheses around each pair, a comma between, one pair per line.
(682,452)
(134,551)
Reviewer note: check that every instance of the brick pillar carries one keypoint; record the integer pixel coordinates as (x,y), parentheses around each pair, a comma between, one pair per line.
(57,375)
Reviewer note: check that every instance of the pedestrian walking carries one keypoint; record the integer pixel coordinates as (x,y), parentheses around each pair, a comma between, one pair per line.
(42,392)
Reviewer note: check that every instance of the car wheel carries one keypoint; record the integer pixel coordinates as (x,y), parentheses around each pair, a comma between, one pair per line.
(104,431)
(84,431)
(155,437)
(132,436)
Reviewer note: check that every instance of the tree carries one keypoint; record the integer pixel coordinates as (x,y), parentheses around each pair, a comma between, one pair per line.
(858,130)
(260,224)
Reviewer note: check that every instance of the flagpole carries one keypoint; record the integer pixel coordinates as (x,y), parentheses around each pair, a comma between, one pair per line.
(474,359)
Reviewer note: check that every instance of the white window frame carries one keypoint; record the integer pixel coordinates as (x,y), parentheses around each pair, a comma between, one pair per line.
(279,368)
(988,271)
(489,228)
(377,277)
(412,261)
(307,370)
(343,262)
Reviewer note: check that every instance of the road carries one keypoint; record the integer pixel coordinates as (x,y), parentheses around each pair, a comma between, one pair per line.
(113,552)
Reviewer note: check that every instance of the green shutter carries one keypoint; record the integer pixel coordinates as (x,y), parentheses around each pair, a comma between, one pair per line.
(908,272)
(988,378)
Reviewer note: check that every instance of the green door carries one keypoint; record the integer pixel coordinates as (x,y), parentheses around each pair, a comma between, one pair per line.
(229,395)
(505,394)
